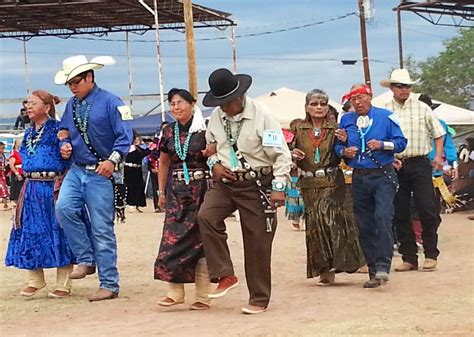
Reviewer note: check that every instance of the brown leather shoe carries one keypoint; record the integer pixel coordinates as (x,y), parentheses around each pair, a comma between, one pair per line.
(102,294)
(226,283)
(429,265)
(81,271)
(253,309)
(406,266)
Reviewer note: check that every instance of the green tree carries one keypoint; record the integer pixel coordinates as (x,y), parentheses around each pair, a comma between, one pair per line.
(449,77)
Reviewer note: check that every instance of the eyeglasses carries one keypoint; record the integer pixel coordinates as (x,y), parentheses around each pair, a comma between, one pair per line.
(402,86)
(31,103)
(315,104)
(75,81)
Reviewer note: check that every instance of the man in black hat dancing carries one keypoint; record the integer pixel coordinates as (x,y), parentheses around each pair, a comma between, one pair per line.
(250,170)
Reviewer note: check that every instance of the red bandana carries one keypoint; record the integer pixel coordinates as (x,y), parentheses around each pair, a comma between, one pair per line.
(364,90)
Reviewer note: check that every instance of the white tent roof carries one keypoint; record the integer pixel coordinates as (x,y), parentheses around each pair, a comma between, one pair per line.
(451,114)
(288,104)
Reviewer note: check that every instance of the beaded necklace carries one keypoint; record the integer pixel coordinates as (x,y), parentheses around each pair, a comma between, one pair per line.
(82,121)
(34,138)
(182,151)
(319,134)
(232,140)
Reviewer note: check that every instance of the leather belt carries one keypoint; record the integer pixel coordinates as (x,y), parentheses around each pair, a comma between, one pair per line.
(178,175)
(319,173)
(409,159)
(93,167)
(42,175)
(366,171)
(132,165)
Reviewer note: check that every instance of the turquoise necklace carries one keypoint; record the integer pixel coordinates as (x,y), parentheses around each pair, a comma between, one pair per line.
(82,121)
(182,150)
(232,139)
(34,138)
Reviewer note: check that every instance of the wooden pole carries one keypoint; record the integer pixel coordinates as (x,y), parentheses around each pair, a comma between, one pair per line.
(234,50)
(400,42)
(363,38)
(190,47)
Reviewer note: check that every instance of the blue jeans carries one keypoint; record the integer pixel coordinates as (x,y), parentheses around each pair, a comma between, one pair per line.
(92,241)
(373,195)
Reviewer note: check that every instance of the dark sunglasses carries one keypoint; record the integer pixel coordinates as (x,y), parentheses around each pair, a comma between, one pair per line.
(76,81)
(401,85)
(315,104)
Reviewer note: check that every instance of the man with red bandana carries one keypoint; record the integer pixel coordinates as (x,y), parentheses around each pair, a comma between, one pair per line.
(373,137)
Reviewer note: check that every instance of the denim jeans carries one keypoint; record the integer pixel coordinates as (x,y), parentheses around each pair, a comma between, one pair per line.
(92,241)
(373,195)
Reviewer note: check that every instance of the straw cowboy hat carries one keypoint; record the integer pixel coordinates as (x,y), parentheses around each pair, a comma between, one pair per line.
(398,76)
(75,65)
(225,87)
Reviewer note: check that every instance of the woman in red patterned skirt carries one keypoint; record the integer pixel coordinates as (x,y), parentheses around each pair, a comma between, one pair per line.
(3,180)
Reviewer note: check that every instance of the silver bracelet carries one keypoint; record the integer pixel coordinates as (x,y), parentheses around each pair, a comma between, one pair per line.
(115,157)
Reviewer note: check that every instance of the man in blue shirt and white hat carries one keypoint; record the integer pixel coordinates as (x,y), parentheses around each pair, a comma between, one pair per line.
(99,138)
(373,137)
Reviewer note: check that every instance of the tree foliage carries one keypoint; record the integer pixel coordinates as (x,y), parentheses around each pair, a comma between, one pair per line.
(448,77)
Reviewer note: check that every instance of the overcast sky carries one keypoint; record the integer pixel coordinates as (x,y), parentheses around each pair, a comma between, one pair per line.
(301,59)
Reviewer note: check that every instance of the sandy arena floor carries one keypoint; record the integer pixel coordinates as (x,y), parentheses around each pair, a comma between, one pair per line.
(414,303)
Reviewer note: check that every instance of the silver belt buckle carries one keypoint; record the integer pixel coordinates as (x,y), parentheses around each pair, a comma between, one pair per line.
(309,174)
(90,167)
(319,173)
(198,175)
(266,170)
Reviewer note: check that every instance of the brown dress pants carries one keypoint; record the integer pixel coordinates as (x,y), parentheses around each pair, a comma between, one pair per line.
(219,202)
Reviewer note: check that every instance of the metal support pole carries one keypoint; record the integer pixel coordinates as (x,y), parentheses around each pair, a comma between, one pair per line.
(129,63)
(190,47)
(27,74)
(234,49)
(160,70)
(400,42)
(363,36)
(158,54)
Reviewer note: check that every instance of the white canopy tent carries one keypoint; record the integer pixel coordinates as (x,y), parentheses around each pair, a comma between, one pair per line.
(288,104)
(451,114)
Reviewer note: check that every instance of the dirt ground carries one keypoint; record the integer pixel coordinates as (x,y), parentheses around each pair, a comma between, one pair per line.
(414,303)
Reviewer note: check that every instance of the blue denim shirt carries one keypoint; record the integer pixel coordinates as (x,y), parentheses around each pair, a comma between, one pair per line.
(106,129)
(384,127)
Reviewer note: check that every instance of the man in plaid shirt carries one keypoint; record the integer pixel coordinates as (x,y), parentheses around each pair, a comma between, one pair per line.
(420,126)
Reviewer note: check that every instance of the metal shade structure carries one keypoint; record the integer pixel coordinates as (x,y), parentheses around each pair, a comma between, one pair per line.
(458,13)
(24,19)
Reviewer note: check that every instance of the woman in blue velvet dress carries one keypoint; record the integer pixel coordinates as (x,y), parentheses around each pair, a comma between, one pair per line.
(37,241)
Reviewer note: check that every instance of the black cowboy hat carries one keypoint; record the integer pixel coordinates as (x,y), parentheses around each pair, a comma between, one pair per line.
(225,87)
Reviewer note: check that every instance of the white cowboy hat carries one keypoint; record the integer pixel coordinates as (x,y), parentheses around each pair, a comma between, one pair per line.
(398,76)
(75,65)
